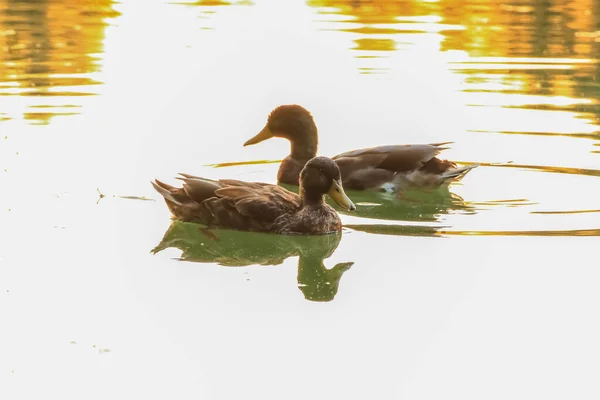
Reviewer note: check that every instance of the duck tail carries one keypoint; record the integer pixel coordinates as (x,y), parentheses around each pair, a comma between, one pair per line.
(441,145)
(165,191)
(457,173)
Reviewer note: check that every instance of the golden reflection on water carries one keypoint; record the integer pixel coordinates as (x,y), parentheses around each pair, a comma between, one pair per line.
(411,230)
(558,170)
(534,55)
(207,8)
(50,52)
(480,28)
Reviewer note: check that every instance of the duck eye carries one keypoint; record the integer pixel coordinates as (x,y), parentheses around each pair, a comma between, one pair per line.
(337,190)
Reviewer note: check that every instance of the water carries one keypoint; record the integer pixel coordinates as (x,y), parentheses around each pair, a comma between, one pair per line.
(489,291)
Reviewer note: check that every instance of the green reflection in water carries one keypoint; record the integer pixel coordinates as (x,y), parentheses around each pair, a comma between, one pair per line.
(413,205)
(239,249)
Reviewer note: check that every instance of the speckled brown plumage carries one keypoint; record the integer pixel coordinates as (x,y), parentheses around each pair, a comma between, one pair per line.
(395,166)
(259,207)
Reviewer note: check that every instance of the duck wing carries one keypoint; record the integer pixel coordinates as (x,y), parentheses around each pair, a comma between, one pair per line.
(395,158)
(372,167)
(259,202)
(228,203)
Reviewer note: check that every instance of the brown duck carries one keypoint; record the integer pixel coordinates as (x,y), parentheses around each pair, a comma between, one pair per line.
(261,207)
(393,167)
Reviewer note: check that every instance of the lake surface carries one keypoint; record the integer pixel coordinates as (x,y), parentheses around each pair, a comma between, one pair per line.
(490,291)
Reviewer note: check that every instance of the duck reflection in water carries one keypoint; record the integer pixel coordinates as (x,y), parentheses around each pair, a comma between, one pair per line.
(239,249)
(411,205)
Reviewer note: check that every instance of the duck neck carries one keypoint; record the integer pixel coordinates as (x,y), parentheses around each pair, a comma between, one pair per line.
(305,147)
(312,199)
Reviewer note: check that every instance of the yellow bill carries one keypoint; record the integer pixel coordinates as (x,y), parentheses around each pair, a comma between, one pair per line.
(262,136)
(336,192)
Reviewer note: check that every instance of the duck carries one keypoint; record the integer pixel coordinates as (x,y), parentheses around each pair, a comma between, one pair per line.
(262,207)
(387,168)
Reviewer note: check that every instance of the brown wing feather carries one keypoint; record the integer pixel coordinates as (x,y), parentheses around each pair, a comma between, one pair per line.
(237,192)
(229,203)
(370,168)
(264,203)
(198,189)
(236,183)
(437,166)
(396,158)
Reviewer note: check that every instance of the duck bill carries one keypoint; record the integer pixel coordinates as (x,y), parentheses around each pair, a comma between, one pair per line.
(262,136)
(336,192)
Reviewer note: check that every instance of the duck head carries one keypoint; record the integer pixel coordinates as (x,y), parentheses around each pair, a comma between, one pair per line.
(321,176)
(294,123)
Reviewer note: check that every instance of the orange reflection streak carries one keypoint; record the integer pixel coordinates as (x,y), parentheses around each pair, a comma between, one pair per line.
(541,168)
(590,136)
(51,50)
(214,3)
(409,230)
(566,212)
(210,7)
(237,163)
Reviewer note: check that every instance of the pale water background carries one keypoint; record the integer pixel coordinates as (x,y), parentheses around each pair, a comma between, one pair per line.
(492,293)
